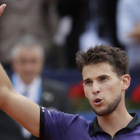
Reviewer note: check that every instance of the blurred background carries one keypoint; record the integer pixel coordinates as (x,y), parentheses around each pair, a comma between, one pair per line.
(63,27)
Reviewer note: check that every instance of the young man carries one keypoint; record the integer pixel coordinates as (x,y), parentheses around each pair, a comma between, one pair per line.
(105,80)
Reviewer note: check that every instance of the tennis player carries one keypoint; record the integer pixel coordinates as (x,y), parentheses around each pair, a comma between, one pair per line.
(105,79)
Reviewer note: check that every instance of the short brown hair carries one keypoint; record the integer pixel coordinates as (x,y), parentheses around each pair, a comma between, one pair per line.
(102,53)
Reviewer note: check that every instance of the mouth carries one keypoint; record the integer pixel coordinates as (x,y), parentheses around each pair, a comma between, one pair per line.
(97,101)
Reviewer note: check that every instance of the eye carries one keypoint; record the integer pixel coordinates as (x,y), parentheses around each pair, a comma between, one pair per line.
(103,78)
(88,83)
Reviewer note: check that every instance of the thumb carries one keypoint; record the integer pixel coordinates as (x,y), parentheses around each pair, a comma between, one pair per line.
(2,7)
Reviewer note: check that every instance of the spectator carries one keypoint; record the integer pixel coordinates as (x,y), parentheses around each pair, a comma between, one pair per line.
(27,63)
(128,29)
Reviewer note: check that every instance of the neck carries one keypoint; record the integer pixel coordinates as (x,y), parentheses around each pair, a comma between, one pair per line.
(114,121)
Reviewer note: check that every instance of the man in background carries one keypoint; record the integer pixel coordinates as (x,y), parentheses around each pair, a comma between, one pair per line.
(27,63)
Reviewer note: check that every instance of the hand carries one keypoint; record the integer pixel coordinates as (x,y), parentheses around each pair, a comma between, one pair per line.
(2,7)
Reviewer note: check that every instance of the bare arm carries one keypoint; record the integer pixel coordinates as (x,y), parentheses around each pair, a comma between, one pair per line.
(18,107)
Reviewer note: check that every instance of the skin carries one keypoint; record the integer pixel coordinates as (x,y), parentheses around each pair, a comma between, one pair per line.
(2,7)
(100,81)
(28,64)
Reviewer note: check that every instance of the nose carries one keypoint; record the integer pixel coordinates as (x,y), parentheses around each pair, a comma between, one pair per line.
(95,88)
(28,67)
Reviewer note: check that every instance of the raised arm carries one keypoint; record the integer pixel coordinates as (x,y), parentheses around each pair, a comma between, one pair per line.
(24,111)
(18,107)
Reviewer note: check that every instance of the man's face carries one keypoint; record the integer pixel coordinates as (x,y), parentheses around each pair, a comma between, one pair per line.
(28,64)
(103,88)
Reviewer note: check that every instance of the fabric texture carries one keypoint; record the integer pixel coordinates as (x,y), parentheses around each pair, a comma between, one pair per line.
(63,126)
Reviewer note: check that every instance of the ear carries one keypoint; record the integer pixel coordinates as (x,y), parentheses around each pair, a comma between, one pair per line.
(126,79)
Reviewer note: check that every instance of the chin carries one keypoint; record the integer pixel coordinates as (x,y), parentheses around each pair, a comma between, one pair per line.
(101,114)
(28,81)
(105,112)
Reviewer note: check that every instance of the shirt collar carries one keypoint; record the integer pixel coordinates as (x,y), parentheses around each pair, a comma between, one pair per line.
(34,88)
(17,82)
(94,126)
